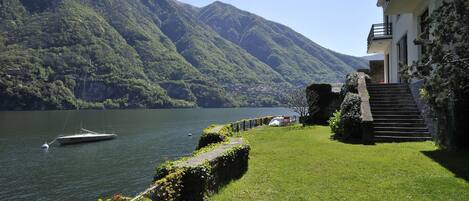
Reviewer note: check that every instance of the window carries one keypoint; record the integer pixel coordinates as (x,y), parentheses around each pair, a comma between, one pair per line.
(402,53)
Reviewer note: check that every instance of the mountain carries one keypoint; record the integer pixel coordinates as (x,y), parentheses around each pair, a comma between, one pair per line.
(298,59)
(67,54)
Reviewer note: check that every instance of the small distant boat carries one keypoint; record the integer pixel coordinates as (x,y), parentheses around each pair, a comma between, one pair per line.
(281,121)
(86,136)
(45,146)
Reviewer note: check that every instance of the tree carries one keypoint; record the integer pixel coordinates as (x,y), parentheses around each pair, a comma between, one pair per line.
(445,70)
(298,102)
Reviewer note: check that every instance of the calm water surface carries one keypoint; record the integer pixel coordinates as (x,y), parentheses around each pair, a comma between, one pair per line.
(125,165)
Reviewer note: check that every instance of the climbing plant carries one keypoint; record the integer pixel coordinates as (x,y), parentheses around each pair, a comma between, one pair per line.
(445,69)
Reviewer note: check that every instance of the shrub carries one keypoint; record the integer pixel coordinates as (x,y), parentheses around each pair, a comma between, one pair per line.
(210,136)
(350,116)
(169,187)
(335,124)
(195,182)
(351,84)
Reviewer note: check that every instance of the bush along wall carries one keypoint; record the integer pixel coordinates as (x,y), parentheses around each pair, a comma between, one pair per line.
(220,133)
(215,134)
(346,123)
(197,177)
(351,84)
(219,159)
(350,121)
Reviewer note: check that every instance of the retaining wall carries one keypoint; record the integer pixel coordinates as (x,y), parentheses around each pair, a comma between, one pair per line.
(219,159)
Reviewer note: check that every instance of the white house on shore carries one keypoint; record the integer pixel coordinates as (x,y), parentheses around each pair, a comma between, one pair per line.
(403,22)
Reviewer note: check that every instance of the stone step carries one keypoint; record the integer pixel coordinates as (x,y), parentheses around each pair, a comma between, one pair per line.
(397,116)
(403,133)
(388,84)
(386,91)
(386,120)
(382,89)
(397,124)
(401,129)
(376,113)
(391,95)
(392,99)
(393,105)
(396,109)
(384,138)
(387,87)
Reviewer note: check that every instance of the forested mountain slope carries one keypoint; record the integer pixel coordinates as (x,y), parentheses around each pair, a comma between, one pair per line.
(67,54)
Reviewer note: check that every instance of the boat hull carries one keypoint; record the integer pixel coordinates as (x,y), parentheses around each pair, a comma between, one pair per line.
(78,140)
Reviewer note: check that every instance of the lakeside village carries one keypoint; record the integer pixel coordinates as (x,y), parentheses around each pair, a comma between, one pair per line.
(396,131)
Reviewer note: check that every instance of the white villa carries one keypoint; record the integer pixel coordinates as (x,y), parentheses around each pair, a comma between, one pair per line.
(404,21)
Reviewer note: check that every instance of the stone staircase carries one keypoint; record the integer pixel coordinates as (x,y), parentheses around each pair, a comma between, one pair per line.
(395,114)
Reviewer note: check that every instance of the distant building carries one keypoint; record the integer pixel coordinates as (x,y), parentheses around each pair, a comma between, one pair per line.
(403,22)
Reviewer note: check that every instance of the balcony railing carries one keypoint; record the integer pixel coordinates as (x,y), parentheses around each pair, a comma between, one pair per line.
(380,31)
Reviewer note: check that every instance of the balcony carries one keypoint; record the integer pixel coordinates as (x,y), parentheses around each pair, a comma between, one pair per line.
(395,7)
(379,38)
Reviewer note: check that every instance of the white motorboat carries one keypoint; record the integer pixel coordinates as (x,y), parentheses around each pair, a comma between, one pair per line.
(86,136)
(277,121)
(281,121)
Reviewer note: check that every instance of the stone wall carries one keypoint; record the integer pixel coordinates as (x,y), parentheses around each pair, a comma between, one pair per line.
(429,117)
(366,116)
(219,159)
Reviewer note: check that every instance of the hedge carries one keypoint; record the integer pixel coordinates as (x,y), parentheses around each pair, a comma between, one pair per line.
(210,136)
(328,103)
(180,181)
(351,84)
(350,120)
(346,123)
(193,178)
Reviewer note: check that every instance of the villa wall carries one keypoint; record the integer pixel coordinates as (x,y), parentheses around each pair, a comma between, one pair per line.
(409,24)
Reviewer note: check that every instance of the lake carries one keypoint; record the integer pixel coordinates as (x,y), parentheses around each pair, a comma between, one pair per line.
(146,138)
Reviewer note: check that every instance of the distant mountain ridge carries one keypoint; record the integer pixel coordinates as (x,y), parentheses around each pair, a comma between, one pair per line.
(283,49)
(67,54)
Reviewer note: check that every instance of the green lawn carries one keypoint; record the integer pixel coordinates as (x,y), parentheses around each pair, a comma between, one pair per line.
(296,163)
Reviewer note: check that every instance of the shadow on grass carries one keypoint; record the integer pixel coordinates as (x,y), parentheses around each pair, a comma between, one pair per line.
(455,161)
(355,141)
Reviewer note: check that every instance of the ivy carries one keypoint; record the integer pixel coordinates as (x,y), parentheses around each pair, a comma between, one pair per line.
(445,66)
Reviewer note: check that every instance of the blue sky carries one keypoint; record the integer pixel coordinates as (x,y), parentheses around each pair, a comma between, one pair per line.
(340,25)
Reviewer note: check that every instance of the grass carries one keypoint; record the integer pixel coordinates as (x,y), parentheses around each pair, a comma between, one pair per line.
(296,163)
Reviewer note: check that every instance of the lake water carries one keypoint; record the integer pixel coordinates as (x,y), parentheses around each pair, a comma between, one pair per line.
(125,165)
